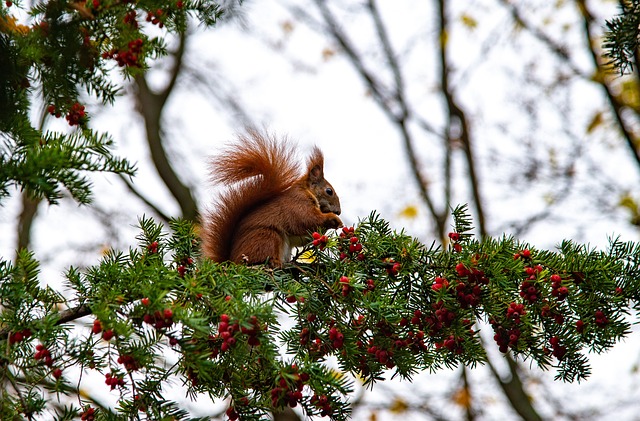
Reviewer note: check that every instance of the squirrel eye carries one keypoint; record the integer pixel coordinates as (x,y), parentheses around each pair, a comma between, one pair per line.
(329,191)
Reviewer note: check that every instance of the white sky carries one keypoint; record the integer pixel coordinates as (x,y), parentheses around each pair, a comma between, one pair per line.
(318,101)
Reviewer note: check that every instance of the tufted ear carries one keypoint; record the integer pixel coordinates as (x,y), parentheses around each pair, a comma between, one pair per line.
(315,166)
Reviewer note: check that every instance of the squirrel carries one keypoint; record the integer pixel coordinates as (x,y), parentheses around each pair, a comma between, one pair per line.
(269,205)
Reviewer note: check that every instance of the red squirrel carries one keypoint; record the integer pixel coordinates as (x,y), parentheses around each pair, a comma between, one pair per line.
(269,205)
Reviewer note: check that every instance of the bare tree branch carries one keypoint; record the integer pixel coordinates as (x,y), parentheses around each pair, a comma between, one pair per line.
(151,105)
(457,118)
(616,105)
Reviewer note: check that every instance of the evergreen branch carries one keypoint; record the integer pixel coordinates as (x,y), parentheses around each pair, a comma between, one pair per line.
(389,304)
(621,39)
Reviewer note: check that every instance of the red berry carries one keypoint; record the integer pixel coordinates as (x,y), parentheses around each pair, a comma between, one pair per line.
(57,373)
(97,327)
(153,247)
(108,334)
(168,313)
(526,253)
(145,301)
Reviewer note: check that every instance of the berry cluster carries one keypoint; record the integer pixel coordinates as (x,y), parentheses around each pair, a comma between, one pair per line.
(51,109)
(76,115)
(529,291)
(293,299)
(523,254)
(455,238)
(156,17)
(252,331)
(319,240)
(232,414)
(600,319)
(114,380)
(381,354)
(129,362)
(226,332)
(322,402)
(336,337)
(289,388)
(515,312)
(439,283)
(97,328)
(131,18)
(345,283)
(159,319)
(129,57)
(506,337)
(369,286)
(557,289)
(548,311)
(19,336)
(451,343)
(508,334)
(152,248)
(107,335)
(558,350)
(392,267)
(184,265)
(42,353)
(350,246)
(88,414)
(469,289)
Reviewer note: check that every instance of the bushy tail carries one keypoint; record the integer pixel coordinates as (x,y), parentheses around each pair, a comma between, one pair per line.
(253,170)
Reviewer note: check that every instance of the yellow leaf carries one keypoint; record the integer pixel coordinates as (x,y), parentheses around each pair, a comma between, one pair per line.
(468,21)
(307,257)
(328,53)
(409,212)
(9,24)
(596,121)
(398,406)
(105,249)
(462,397)
(630,203)
(287,26)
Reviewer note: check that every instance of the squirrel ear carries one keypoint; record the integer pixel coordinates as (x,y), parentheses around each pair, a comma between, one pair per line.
(316,165)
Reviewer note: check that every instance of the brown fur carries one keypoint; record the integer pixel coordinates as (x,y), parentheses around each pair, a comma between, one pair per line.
(268,204)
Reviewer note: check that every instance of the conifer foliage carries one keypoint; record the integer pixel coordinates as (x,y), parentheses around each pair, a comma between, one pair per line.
(64,55)
(365,301)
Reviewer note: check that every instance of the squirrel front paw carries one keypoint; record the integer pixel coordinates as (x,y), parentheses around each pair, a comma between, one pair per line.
(333,222)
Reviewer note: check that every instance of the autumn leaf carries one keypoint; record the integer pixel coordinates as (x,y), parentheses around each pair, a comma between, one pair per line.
(468,21)
(409,212)
(462,397)
(398,406)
